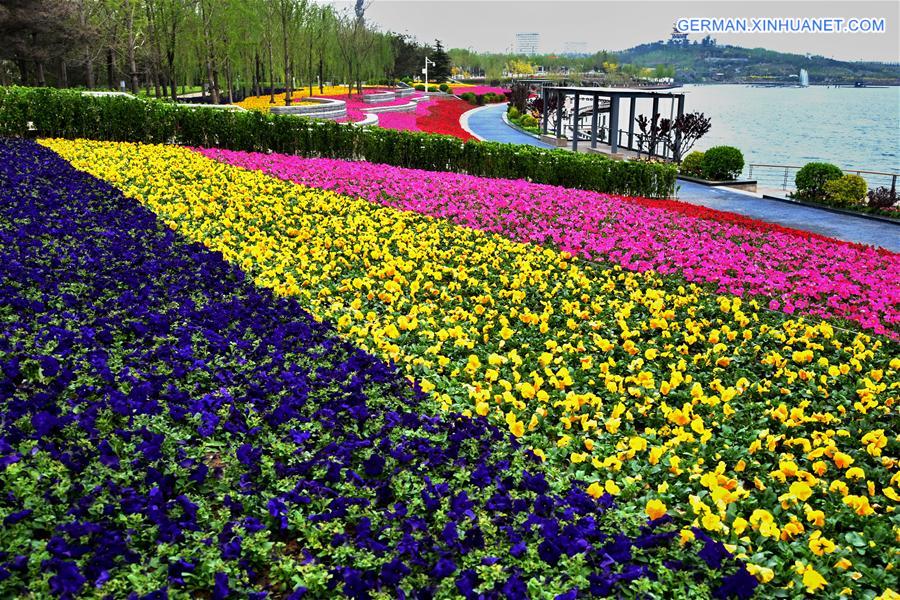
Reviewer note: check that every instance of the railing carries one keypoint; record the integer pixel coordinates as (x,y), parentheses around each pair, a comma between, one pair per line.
(780,175)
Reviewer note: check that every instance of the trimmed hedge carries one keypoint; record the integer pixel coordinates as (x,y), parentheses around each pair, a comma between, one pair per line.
(71,114)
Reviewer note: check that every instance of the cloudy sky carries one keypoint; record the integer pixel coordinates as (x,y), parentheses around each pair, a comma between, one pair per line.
(617,24)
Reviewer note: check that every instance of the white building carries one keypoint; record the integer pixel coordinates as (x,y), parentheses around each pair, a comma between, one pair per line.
(527,43)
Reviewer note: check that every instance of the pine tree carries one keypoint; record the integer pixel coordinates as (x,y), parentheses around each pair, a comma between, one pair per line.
(440,72)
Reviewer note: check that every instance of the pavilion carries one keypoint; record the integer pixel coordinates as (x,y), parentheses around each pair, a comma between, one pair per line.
(599,100)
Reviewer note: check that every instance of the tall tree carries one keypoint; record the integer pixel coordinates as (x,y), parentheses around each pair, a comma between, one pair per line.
(440,72)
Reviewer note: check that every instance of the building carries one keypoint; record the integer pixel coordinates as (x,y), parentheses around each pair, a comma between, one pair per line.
(575,49)
(677,38)
(527,43)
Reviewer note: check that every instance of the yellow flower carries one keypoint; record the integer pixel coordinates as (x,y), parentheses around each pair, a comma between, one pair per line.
(506,333)
(595,490)
(611,487)
(812,581)
(855,473)
(801,491)
(655,509)
(842,460)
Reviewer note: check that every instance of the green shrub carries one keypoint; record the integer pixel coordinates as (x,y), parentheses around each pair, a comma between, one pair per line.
(420,87)
(468,97)
(70,114)
(513,113)
(692,164)
(433,88)
(528,121)
(810,180)
(444,87)
(722,163)
(847,190)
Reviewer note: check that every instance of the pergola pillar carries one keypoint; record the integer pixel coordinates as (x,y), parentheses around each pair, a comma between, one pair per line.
(575,124)
(594,116)
(613,123)
(559,109)
(545,97)
(631,123)
(677,155)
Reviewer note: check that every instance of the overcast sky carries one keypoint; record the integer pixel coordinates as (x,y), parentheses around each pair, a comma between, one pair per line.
(619,24)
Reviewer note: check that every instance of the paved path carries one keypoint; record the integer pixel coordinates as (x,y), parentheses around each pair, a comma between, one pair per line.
(842,227)
(487,123)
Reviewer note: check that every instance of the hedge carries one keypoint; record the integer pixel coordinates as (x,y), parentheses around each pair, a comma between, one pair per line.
(49,112)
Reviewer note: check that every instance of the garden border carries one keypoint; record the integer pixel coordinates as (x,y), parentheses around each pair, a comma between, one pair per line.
(833,209)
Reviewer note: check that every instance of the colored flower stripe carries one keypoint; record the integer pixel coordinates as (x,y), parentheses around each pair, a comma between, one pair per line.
(810,275)
(170,429)
(438,116)
(746,421)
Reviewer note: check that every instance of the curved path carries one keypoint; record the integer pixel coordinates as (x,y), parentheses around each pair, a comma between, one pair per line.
(486,123)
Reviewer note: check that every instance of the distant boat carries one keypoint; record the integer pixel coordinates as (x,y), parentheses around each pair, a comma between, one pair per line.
(804,78)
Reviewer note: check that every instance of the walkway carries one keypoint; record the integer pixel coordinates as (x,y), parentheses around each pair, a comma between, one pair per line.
(487,123)
(842,227)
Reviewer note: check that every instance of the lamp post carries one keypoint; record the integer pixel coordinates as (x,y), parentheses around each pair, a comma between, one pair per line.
(425,70)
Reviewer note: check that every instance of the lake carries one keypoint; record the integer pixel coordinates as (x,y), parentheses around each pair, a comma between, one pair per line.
(854,128)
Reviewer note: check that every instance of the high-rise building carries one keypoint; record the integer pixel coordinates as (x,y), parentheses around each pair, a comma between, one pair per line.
(527,43)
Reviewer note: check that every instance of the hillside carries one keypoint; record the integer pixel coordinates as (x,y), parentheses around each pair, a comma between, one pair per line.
(698,63)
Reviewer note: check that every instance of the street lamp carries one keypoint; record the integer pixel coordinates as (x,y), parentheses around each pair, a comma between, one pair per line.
(425,70)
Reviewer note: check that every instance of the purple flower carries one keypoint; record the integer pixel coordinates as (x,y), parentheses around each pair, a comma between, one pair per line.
(221,589)
(444,568)
(740,584)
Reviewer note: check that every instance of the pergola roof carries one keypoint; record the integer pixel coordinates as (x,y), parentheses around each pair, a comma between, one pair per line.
(615,91)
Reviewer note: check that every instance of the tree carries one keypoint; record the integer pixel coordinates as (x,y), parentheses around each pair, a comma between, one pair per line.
(440,71)
(36,32)
(685,130)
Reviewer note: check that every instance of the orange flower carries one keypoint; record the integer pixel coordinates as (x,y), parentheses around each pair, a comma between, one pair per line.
(655,509)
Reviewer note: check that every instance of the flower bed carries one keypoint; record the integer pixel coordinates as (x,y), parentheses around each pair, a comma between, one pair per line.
(435,116)
(770,433)
(794,271)
(479,89)
(170,429)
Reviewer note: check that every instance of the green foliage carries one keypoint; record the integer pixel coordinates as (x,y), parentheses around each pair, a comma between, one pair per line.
(444,87)
(810,180)
(693,164)
(722,163)
(420,87)
(513,113)
(847,190)
(69,114)
(528,120)
(468,97)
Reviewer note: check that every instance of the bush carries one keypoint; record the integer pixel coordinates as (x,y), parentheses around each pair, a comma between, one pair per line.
(810,180)
(70,114)
(692,164)
(444,87)
(420,87)
(848,190)
(528,121)
(882,197)
(513,113)
(722,163)
(468,97)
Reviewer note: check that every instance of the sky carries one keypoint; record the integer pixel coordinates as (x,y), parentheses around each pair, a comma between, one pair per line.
(619,24)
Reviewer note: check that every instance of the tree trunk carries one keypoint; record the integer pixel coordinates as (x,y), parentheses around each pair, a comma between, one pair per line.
(40,74)
(271,76)
(228,81)
(109,69)
(63,74)
(321,74)
(211,71)
(256,91)
(132,61)
(288,92)
(88,59)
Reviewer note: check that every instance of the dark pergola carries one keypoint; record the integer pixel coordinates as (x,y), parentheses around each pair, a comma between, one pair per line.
(614,97)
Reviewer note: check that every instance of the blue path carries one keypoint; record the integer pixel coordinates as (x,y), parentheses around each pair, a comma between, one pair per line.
(842,227)
(487,123)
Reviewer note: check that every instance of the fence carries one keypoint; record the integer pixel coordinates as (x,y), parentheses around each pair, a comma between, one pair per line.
(782,176)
